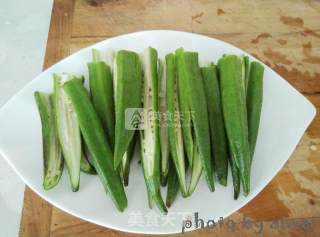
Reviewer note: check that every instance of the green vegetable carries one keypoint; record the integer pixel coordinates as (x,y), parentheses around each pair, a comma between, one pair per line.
(235,115)
(246,64)
(68,130)
(184,105)
(254,103)
(173,184)
(125,164)
(164,141)
(86,167)
(217,129)
(149,136)
(127,83)
(192,92)
(174,125)
(150,202)
(95,138)
(196,171)
(235,178)
(101,90)
(52,159)
(127,156)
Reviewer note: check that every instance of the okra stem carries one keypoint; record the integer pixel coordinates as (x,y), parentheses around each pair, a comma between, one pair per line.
(52,159)
(95,139)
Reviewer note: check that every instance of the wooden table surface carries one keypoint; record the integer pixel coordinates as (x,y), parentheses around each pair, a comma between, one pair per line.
(283,34)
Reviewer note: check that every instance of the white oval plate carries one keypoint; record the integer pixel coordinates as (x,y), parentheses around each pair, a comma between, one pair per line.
(285,116)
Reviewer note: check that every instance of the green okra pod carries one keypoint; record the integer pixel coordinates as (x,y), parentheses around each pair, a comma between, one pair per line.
(235,114)
(86,167)
(95,138)
(150,201)
(68,129)
(184,105)
(101,91)
(52,159)
(174,124)
(125,165)
(246,64)
(254,103)
(149,136)
(193,93)
(173,184)
(235,178)
(217,128)
(127,83)
(127,156)
(164,141)
(196,170)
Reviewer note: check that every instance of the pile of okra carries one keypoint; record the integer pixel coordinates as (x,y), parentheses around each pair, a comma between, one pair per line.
(216,113)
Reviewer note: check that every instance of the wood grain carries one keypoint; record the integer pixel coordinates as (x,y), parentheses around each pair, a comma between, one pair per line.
(283,34)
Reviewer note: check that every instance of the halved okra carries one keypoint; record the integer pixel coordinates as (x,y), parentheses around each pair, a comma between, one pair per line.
(217,129)
(254,103)
(174,124)
(191,91)
(149,136)
(127,80)
(101,91)
(68,129)
(52,159)
(164,142)
(95,138)
(235,114)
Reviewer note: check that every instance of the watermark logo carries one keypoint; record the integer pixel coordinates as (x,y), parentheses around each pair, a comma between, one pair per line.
(256,226)
(140,118)
(192,221)
(134,119)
